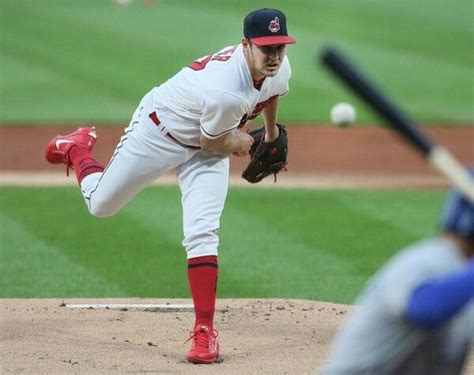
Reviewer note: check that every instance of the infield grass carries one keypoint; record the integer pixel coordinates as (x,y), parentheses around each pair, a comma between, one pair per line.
(319,245)
(92,61)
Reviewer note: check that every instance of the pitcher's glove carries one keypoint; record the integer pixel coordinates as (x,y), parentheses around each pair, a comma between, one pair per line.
(266,158)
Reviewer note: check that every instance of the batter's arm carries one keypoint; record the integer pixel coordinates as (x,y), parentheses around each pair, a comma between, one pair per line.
(269,117)
(434,302)
(235,142)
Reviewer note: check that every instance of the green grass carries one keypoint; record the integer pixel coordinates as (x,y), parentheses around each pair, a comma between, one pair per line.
(320,245)
(89,60)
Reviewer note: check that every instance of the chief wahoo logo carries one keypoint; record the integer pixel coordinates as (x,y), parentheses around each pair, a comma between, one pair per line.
(274,25)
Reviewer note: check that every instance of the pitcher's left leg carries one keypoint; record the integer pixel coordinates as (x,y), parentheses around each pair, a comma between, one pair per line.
(203,182)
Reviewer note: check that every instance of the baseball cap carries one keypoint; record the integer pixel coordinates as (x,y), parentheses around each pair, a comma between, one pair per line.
(458,213)
(266,27)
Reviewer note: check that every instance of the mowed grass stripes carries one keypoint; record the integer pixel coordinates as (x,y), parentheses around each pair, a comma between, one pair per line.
(320,245)
(92,61)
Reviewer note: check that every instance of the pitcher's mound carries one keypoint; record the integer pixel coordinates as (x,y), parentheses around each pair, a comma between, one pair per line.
(88,336)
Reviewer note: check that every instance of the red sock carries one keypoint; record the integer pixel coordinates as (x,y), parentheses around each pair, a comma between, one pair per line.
(83,162)
(202,277)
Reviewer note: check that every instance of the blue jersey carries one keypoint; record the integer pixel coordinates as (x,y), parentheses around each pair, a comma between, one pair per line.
(378,337)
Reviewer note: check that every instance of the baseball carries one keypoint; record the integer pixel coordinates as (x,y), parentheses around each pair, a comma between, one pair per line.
(343,114)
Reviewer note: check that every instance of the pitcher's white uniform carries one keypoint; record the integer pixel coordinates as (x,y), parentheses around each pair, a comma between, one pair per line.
(212,96)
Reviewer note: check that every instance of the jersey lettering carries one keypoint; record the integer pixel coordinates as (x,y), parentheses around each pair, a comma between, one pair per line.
(256,111)
(201,63)
(260,106)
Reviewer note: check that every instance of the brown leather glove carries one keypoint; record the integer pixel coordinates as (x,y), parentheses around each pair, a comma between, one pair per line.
(266,158)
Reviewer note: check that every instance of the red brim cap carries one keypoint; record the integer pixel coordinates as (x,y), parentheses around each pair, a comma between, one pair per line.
(272,40)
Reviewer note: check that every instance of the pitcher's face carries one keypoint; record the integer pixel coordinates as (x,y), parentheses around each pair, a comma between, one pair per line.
(264,61)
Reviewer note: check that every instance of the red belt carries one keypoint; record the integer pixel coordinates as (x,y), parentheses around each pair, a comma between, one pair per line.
(157,122)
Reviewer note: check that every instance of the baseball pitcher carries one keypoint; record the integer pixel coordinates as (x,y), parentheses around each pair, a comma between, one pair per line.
(191,124)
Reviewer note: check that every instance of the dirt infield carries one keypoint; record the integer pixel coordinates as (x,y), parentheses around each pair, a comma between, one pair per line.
(256,336)
(323,157)
(41,336)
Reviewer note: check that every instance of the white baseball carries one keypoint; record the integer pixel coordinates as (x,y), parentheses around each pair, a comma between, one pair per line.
(343,114)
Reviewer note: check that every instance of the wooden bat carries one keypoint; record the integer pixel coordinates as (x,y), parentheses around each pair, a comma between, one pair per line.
(439,156)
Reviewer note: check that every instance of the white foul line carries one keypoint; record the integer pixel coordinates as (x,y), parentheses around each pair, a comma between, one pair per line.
(165,307)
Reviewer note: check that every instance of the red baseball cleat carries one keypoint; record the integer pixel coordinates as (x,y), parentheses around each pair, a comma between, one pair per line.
(205,348)
(57,150)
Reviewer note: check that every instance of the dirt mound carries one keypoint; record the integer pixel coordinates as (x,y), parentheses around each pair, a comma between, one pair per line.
(47,336)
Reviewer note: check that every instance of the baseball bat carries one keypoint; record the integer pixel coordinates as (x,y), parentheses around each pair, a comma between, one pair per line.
(438,156)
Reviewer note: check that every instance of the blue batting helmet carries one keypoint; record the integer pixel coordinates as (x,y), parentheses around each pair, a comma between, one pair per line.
(458,214)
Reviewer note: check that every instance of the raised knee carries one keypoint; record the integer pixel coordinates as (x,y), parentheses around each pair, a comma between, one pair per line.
(101,210)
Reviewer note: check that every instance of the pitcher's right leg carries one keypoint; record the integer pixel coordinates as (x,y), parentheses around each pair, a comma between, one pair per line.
(75,146)
(136,163)
(142,155)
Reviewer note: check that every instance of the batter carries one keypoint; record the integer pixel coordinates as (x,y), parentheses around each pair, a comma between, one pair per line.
(416,316)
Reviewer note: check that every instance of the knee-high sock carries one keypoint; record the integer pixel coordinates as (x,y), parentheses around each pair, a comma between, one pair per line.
(83,162)
(202,277)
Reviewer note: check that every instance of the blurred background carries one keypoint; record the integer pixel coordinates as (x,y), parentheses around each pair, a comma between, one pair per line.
(65,63)
(92,60)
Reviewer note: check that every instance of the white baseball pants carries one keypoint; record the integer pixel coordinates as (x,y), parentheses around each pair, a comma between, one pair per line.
(143,154)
